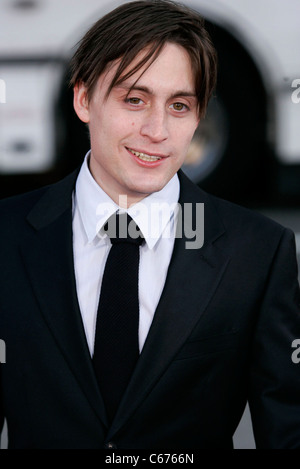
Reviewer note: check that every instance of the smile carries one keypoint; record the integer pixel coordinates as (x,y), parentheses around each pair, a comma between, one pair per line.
(144,156)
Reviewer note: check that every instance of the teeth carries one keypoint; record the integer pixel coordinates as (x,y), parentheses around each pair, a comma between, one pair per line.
(145,157)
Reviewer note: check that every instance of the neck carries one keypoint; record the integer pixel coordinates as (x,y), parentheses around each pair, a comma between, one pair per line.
(126,200)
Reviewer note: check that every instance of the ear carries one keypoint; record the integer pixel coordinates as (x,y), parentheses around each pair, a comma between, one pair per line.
(81,102)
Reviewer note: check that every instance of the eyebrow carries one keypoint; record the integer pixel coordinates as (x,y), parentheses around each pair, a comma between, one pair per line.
(145,89)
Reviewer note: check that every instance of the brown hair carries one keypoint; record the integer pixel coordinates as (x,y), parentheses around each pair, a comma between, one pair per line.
(134,26)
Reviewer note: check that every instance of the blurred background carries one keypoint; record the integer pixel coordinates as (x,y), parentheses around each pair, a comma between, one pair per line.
(247,149)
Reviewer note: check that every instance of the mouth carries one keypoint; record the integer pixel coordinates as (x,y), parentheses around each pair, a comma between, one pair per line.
(145,156)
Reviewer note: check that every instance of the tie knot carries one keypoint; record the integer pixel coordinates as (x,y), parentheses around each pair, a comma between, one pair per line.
(122,229)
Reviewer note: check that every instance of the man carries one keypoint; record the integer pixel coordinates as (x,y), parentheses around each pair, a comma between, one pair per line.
(216,318)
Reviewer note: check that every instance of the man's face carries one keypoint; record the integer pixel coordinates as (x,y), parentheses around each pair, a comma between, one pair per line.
(139,140)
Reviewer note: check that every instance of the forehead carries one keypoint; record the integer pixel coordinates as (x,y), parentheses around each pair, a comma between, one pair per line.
(171,69)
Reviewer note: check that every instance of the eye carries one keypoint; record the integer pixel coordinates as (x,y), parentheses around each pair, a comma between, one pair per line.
(179,107)
(134,101)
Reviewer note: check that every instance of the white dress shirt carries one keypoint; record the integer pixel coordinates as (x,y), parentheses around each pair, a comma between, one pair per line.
(155,215)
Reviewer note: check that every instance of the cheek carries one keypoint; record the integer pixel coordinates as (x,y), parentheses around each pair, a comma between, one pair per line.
(121,124)
(183,135)
(191,132)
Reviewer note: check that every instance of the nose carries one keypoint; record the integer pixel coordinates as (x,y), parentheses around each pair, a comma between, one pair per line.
(155,125)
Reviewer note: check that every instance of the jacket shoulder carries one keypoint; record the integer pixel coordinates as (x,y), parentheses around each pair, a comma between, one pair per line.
(237,217)
(15,209)
(20,205)
(233,217)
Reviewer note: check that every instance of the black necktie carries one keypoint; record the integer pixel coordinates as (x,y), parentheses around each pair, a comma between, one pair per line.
(116,341)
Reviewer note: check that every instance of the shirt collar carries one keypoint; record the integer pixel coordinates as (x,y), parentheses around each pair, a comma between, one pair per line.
(152,214)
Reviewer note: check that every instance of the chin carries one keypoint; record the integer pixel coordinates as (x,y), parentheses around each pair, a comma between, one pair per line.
(148,190)
(147,186)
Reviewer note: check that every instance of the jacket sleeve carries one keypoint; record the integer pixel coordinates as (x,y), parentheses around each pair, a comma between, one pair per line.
(274,398)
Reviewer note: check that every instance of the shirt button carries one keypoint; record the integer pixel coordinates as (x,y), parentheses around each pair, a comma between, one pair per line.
(110,445)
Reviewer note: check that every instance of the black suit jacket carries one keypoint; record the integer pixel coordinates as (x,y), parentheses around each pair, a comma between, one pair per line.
(221,335)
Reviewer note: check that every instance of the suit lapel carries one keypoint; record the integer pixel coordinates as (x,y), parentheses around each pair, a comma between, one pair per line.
(48,256)
(192,280)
